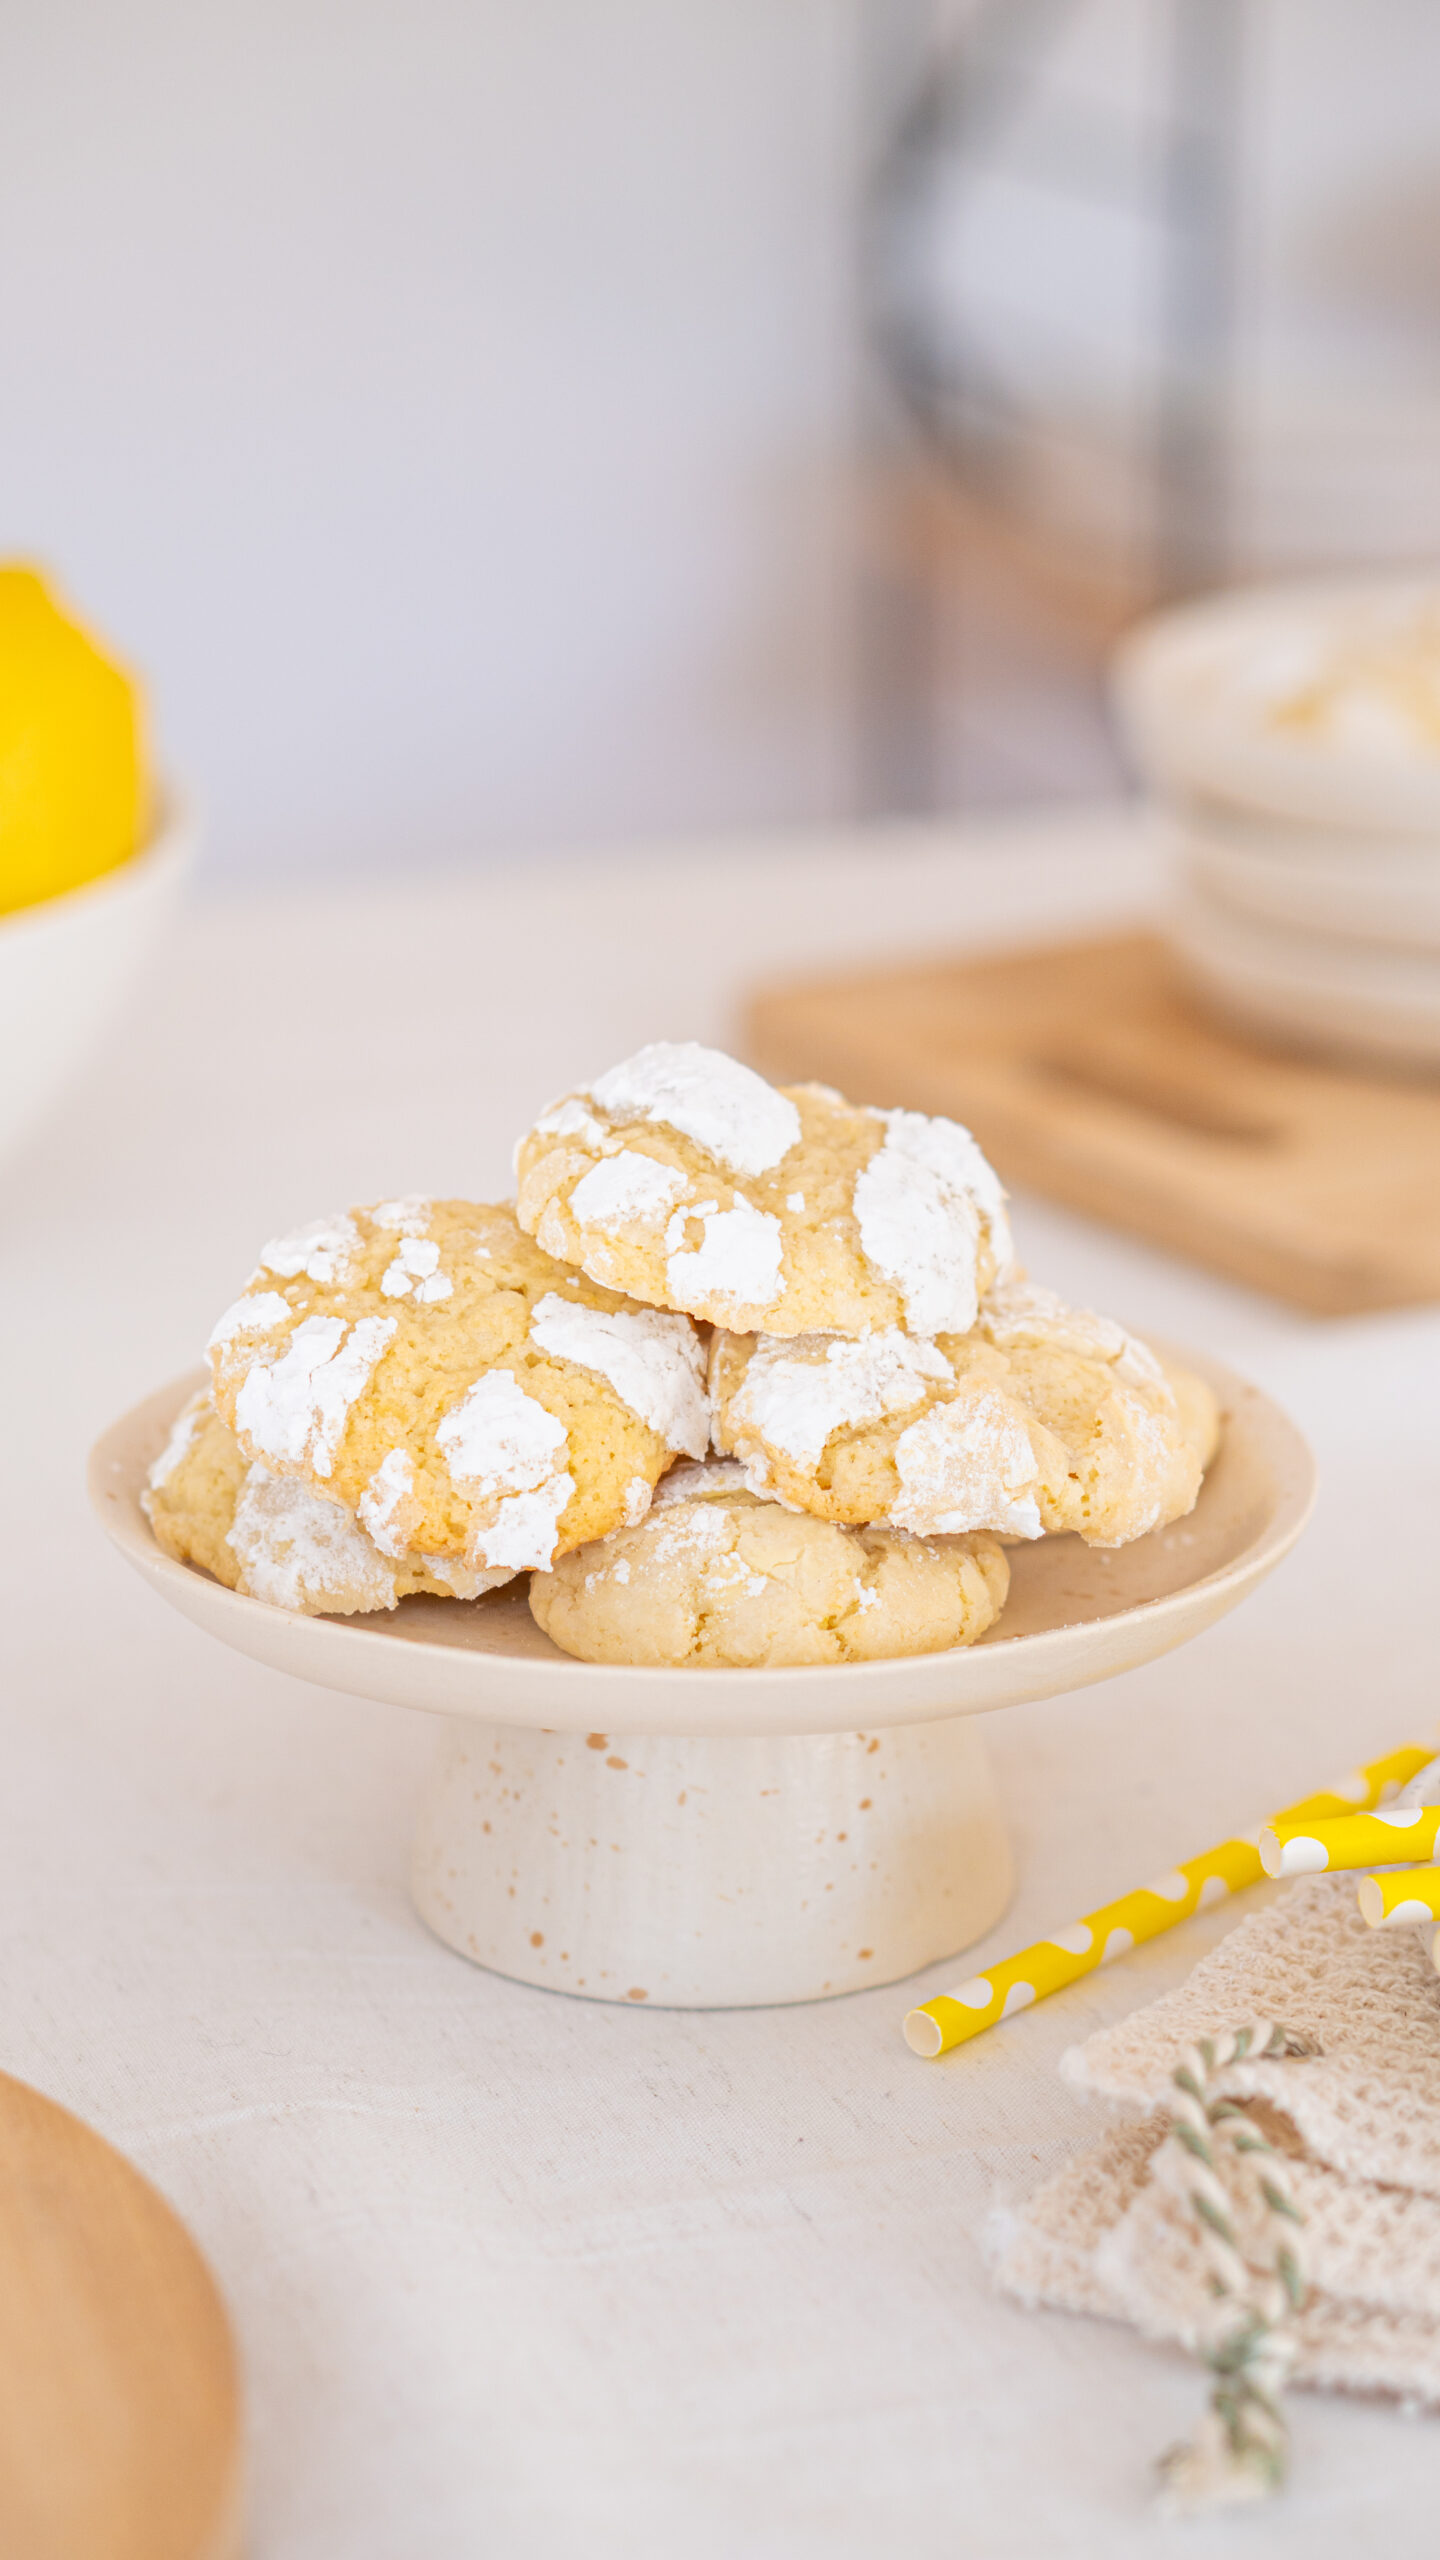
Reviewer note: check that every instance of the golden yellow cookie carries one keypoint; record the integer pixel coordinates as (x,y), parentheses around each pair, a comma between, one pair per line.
(1041,1417)
(1199,1411)
(276,1539)
(715,1577)
(685,1178)
(428,1367)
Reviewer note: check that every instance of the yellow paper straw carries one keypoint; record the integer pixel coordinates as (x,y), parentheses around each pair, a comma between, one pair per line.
(1301,1845)
(952,2017)
(1406,1893)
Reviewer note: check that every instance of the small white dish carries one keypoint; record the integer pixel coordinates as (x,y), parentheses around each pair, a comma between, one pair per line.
(1351,887)
(66,964)
(1339,998)
(734,1838)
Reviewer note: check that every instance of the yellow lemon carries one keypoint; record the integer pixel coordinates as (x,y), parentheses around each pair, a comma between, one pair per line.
(72,774)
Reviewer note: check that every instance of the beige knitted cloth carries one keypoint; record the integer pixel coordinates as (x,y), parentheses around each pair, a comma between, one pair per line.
(1360,2126)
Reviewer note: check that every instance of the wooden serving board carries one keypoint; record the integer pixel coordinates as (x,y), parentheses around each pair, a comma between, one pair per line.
(119,2406)
(1086,1070)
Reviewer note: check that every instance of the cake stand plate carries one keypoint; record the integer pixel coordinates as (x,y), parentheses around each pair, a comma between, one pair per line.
(721,1839)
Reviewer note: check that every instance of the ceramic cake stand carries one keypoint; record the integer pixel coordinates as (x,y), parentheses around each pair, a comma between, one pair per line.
(717,1839)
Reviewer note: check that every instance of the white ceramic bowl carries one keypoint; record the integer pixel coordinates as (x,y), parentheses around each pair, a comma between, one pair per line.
(1195,691)
(1337,997)
(1353,887)
(66,964)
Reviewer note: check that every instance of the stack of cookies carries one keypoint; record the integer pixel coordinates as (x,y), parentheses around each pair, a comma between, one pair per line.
(745,1376)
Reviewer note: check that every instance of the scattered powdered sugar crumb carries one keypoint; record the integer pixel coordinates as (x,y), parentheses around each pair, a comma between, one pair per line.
(796,1394)
(967,1465)
(299,1551)
(416,1266)
(620,1570)
(185,1430)
(638,1497)
(407,1217)
(735,1268)
(510,1450)
(920,1203)
(326,1251)
(259,1313)
(387,1507)
(655,1363)
(293,1409)
(626,1190)
(795,1200)
(727,1109)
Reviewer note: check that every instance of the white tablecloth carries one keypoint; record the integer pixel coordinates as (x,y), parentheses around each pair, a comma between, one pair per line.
(514,2274)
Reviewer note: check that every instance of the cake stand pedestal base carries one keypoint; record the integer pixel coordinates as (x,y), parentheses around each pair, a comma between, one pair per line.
(722,1873)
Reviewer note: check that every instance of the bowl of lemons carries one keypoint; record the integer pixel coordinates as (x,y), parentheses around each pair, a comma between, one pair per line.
(91,853)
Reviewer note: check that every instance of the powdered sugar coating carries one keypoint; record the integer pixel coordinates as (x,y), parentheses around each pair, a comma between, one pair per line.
(1022,1311)
(735,1267)
(921,1205)
(654,1362)
(259,1313)
(387,1507)
(407,1217)
(705,1482)
(712,1576)
(277,1538)
(570,1119)
(739,1119)
(417,1266)
(797,1393)
(968,1464)
(325,1251)
(627,1190)
(506,1447)
(866,1222)
(294,1406)
(185,1430)
(297,1550)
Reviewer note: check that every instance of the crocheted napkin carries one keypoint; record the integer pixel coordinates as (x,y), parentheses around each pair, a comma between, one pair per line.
(1360,2126)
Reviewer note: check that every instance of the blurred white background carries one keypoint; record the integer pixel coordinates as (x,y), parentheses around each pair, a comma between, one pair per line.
(443,403)
(459,410)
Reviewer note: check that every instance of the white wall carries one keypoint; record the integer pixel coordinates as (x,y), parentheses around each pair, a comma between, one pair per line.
(445,400)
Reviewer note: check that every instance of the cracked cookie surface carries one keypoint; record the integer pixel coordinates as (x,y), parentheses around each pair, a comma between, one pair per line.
(716,1577)
(1041,1417)
(275,1539)
(429,1367)
(685,1178)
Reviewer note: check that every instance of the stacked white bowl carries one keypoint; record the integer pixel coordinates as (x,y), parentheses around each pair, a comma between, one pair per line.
(1292,735)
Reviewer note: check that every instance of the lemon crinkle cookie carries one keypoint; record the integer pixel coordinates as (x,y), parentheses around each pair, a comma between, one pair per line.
(274,1538)
(714,1576)
(1040,1417)
(429,1368)
(685,1178)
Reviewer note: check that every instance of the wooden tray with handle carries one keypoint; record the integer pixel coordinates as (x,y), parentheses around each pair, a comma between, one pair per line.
(1086,1071)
